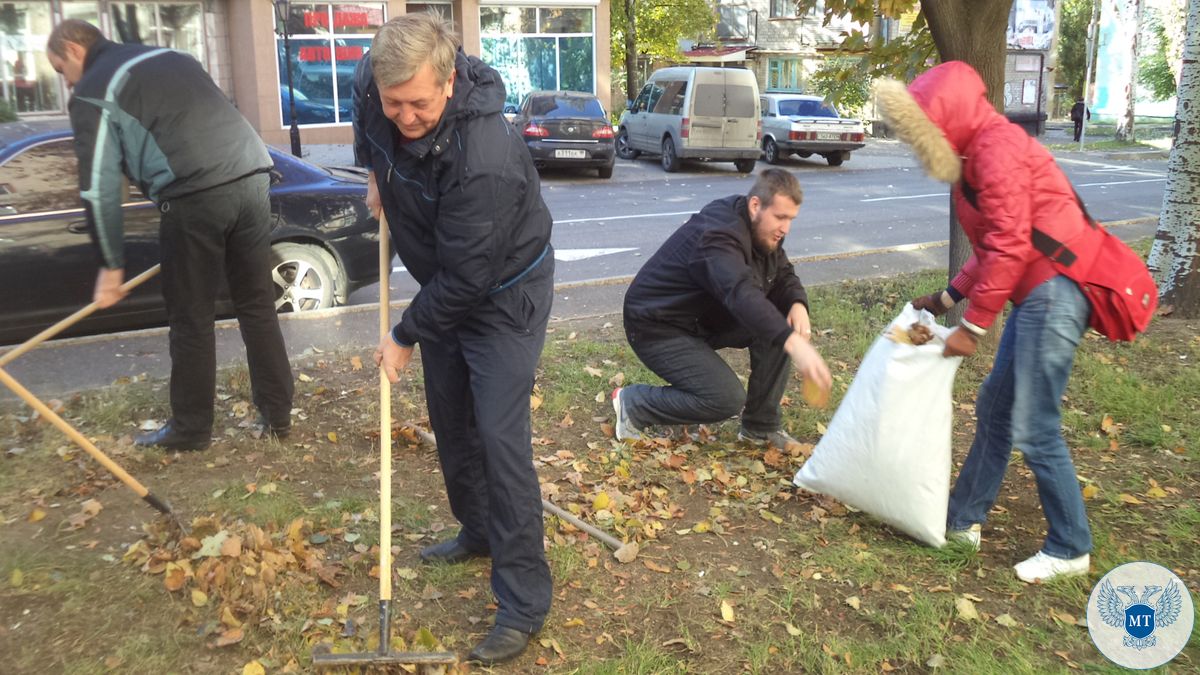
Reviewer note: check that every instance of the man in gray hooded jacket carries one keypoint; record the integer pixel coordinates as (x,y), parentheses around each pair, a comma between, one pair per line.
(466,217)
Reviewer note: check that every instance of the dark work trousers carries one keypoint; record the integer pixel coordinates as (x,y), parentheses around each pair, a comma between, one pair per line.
(221,234)
(478,379)
(1078,129)
(702,388)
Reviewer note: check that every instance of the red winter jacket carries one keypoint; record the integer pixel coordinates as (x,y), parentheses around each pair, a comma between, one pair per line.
(1016,185)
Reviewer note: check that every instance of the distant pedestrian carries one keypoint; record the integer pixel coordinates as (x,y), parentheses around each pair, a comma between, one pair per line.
(1078,111)
(155,116)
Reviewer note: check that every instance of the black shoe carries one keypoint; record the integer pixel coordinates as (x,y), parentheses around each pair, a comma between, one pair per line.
(167,437)
(501,644)
(449,551)
(276,431)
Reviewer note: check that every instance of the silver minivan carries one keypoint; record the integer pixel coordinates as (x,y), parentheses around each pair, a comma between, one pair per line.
(691,112)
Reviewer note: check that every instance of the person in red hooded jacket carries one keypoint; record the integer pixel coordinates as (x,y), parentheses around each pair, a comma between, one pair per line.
(1003,183)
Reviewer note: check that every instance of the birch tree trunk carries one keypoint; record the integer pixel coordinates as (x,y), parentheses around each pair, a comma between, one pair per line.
(1175,255)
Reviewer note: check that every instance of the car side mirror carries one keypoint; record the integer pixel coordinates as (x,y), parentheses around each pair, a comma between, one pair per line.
(510,109)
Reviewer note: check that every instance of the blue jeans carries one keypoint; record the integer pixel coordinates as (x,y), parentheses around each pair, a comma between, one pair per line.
(1019,406)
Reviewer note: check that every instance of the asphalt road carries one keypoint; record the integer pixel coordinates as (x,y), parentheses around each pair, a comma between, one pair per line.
(880,199)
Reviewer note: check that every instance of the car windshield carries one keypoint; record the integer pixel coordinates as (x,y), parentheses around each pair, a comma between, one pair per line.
(801,107)
(565,106)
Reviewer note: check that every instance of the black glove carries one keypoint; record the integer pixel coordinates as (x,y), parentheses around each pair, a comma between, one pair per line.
(931,303)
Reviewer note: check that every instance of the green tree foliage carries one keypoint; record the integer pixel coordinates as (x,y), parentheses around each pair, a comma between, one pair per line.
(1073,22)
(840,80)
(1155,72)
(658,25)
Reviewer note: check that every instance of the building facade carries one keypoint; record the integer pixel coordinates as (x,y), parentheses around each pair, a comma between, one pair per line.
(535,45)
(782,45)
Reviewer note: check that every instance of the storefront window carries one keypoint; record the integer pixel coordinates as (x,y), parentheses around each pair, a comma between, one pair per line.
(442,9)
(28,82)
(327,42)
(175,25)
(547,48)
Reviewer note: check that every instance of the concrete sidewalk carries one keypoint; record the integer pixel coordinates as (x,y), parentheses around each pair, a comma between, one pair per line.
(61,367)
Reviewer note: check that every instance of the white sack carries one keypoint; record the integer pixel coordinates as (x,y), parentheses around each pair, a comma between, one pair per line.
(887,449)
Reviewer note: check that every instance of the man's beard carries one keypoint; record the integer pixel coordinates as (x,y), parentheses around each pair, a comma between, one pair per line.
(761,243)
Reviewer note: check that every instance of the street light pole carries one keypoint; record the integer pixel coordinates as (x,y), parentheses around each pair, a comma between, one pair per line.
(281,10)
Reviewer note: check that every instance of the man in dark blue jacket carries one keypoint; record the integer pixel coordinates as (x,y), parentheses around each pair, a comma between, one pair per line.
(464,207)
(722,280)
(154,116)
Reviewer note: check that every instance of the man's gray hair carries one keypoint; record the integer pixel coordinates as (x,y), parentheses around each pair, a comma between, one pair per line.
(409,41)
(79,32)
(773,182)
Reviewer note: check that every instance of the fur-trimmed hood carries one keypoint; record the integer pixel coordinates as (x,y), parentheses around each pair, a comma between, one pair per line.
(939,115)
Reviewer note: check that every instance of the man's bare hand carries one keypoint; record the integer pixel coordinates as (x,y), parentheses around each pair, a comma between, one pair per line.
(797,318)
(108,287)
(392,358)
(809,363)
(373,203)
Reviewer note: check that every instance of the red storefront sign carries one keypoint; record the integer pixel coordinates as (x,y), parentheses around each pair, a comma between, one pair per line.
(325,54)
(343,19)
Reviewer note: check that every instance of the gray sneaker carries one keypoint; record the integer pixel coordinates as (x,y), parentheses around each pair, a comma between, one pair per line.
(623,429)
(778,438)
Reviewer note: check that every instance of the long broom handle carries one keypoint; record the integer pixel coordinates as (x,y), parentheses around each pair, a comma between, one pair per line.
(75,318)
(79,439)
(385,424)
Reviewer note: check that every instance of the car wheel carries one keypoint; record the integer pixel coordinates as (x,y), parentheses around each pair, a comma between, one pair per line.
(304,276)
(770,151)
(745,165)
(670,161)
(804,155)
(605,171)
(834,159)
(624,149)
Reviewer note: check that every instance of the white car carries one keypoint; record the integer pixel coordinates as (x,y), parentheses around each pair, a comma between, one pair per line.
(806,125)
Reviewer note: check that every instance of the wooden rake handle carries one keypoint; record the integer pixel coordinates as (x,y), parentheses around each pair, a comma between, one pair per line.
(79,439)
(385,423)
(75,318)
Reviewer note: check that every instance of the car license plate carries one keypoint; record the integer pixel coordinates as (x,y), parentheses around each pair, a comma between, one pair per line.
(571,154)
(829,136)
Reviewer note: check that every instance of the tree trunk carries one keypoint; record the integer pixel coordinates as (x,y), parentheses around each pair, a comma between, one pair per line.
(631,70)
(1175,255)
(972,31)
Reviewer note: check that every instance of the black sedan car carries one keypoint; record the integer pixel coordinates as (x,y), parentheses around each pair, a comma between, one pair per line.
(565,129)
(324,241)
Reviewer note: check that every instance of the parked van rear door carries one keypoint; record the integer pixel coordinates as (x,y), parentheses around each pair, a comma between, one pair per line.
(741,110)
(707,119)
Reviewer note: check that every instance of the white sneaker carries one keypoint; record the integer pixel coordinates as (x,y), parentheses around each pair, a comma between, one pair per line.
(968,537)
(622,428)
(1042,567)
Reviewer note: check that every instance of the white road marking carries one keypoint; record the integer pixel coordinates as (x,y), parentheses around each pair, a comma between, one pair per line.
(888,199)
(566,255)
(1123,182)
(629,217)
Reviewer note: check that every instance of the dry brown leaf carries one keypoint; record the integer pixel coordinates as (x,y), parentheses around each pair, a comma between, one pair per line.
(655,567)
(966,609)
(1130,499)
(727,611)
(356,363)
(229,637)
(1090,491)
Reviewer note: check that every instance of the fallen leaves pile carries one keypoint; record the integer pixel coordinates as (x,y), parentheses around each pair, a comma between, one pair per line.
(237,576)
